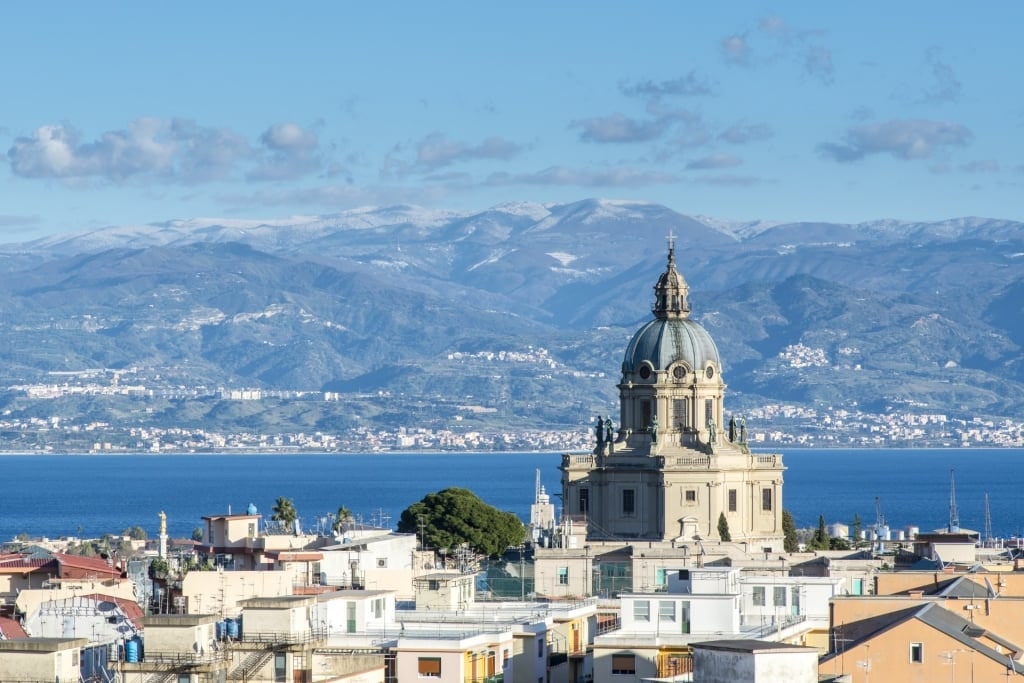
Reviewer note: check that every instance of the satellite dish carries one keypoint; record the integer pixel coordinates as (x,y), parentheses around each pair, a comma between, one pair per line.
(106,606)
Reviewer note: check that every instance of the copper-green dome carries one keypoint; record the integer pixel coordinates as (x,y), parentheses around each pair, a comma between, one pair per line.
(671,337)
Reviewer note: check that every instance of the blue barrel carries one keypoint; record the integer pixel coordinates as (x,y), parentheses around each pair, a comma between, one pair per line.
(232,628)
(221,630)
(131,650)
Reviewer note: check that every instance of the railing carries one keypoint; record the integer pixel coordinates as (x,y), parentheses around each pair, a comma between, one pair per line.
(785,622)
(569,459)
(178,658)
(283,637)
(694,461)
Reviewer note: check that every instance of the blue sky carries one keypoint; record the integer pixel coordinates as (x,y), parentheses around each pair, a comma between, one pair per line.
(119,113)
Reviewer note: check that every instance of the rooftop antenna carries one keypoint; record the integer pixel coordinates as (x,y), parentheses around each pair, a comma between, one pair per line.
(537,488)
(988,524)
(879,517)
(954,516)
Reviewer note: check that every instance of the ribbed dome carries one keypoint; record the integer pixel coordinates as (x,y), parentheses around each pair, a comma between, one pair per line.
(665,341)
(671,336)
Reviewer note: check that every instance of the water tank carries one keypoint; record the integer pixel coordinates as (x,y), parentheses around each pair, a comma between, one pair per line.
(131,651)
(884,533)
(913,531)
(251,510)
(232,626)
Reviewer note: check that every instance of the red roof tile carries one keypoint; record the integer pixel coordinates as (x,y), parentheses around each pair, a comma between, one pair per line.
(11,629)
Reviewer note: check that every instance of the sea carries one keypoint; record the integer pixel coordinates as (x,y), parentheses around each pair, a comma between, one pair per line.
(92,495)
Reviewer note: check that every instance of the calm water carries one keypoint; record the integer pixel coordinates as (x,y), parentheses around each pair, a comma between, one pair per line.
(56,495)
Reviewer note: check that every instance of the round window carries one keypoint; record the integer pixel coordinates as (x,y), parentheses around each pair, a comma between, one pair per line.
(710,372)
(679,372)
(645,372)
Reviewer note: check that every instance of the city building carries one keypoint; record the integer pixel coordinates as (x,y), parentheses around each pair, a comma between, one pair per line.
(677,461)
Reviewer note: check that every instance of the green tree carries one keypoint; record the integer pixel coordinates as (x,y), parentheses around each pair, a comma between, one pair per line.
(820,539)
(449,518)
(723,527)
(284,511)
(837,543)
(343,518)
(789,542)
(857,524)
(197,534)
(136,533)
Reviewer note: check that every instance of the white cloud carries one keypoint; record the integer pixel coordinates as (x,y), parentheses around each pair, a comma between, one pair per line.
(743,133)
(689,85)
(714,161)
(292,152)
(620,128)
(902,139)
(437,151)
(735,50)
(561,175)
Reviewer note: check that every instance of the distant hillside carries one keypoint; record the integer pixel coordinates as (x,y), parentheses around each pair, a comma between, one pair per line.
(378,300)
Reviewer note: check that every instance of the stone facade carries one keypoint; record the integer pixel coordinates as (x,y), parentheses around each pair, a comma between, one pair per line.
(677,460)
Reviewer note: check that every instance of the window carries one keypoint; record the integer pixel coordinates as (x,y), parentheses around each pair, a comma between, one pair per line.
(779,596)
(659,577)
(280,667)
(691,495)
(709,410)
(666,610)
(629,501)
(645,414)
(642,610)
(758,597)
(584,501)
(794,599)
(252,529)
(184,678)
(429,667)
(563,576)
(917,653)
(732,500)
(378,608)
(540,647)
(624,664)
(766,500)
(433,584)
(679,412)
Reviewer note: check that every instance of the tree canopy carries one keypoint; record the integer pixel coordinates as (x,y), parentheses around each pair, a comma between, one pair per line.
(723,528)
(789,542)
(455,516)
(284,511)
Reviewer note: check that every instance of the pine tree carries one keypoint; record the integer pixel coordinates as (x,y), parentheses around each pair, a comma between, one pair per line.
(789,542)
(723,528)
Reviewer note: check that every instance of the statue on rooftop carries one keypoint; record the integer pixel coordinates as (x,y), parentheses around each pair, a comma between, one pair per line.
(599,431)
(732,428)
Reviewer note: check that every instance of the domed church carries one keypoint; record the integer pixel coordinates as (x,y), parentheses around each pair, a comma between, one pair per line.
(675,460)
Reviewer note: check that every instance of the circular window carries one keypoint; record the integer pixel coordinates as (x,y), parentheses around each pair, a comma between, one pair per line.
(645,372)
(679,372)
(710,372)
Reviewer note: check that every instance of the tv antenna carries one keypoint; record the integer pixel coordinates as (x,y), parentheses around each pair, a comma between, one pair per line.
(954,516)
(988,524)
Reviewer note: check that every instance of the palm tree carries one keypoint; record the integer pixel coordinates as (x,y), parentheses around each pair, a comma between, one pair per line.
(343,519)
(284,511)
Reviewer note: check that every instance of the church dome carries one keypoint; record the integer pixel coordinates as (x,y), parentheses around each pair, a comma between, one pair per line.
(663,342)
(671,337)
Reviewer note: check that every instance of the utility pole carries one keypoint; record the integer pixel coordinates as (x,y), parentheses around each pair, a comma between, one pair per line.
(954,515)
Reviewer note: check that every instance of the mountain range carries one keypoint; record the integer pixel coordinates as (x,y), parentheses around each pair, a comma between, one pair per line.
(414,303)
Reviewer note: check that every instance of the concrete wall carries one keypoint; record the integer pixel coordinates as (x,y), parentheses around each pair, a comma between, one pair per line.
(220,592)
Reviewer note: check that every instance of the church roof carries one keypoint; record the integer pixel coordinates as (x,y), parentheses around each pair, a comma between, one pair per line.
(672,336)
